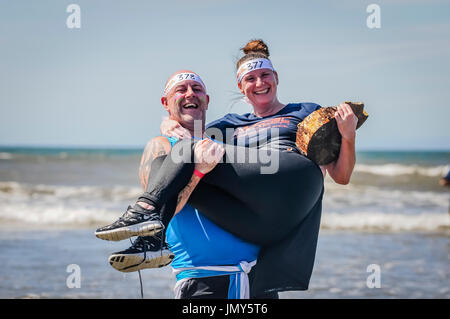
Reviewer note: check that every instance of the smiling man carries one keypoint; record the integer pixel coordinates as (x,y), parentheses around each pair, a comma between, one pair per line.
(186,101)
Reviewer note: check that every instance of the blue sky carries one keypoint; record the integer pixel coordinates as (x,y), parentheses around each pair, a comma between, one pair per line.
(100,85)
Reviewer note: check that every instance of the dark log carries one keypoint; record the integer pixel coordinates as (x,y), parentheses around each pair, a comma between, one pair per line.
(318,136)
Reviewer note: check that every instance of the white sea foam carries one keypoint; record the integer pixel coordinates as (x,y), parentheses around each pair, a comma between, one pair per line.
(344,207)
(6,156)
(61,215)
(63,205)
(57,215)
(347,198)
(401,169)
(14,190)
(378,221)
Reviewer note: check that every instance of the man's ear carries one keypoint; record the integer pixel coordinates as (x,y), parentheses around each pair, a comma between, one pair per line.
(164,103)
(207,101)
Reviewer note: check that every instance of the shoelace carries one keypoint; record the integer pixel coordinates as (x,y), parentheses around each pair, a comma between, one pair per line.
(133,211)
(139,273)
(141,242)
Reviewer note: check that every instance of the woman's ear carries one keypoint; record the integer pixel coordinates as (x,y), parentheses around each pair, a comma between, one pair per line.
(240,88)
(276,77)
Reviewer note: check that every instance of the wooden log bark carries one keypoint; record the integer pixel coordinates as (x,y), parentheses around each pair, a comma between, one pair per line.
(318,136)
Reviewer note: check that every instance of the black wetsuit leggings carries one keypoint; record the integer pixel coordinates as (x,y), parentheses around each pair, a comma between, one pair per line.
(258,200)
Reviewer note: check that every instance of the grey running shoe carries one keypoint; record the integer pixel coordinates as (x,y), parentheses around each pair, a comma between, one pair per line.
(145,252)
(137,221)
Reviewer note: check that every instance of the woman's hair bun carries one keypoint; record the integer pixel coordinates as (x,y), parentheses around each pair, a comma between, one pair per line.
(256,46)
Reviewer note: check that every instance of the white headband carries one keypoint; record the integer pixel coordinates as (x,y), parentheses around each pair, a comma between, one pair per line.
(252,65)
(179,77)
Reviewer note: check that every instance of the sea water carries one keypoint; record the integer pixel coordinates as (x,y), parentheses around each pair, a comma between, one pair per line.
(393,217)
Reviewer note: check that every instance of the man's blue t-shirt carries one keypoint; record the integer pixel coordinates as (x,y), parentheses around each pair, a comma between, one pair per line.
(252,131)
(197,241)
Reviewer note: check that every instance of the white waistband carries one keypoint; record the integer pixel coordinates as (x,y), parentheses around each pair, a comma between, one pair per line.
(242,269)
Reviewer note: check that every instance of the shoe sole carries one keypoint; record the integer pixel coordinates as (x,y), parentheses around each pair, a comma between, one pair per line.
(135,262)
(149,228)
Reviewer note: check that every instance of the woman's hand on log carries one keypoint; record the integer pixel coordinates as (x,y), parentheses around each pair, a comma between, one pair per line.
(346,121)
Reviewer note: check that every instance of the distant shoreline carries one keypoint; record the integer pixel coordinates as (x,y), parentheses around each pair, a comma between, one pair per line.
(16,147)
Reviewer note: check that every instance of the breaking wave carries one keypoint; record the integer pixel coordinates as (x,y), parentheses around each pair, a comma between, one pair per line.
(402,169)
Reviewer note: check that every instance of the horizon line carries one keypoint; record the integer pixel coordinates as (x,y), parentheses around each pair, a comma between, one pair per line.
(136,147)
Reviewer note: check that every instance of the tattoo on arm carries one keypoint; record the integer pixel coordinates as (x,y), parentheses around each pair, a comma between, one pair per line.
(184,195)
(152,150)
